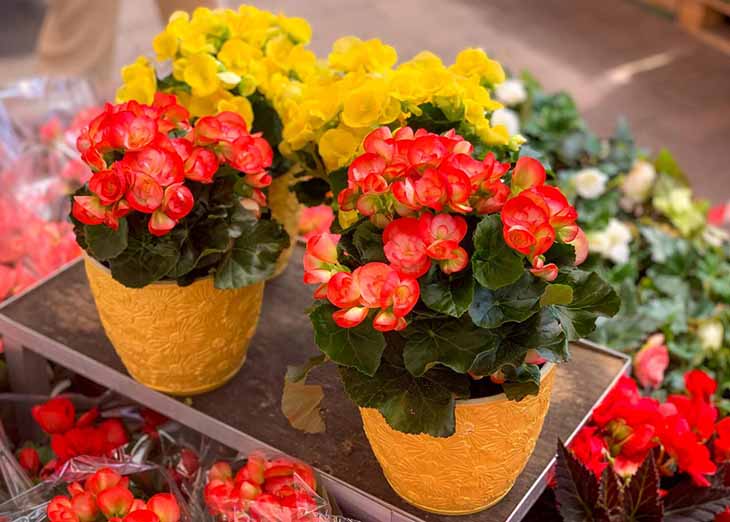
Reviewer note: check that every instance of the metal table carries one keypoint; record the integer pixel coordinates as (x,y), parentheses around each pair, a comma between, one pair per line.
(56,320)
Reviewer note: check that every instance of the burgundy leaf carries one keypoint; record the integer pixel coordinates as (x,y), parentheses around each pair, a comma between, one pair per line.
(641,495)
(610,497)
(687,502)
(577,489)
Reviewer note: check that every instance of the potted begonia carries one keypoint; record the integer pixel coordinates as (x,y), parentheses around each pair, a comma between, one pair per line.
(445,306)
(244,61)
(178,239)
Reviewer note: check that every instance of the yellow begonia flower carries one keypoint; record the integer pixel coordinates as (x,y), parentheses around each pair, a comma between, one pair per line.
(178,24)
(178,69)
(201,74)
(424,60)
(207,105)
(165,45)
(278,50)
(139,82)
(350,54)
(364,107)
(297,133)
(239,105)
(337,147)
(297,28)
(497,135)
(475,62)
(237,55)
(405,85)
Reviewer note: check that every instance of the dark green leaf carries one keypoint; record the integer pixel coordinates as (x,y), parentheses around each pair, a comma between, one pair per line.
(338,181)
(360,347)
(451,342)
(494,263)
(368,240)
(254,254)
(105,243)
(409,404)
(450,295)
(561,254)
(514,303)
(147,258)
(521,381)
(592,297)
(265,119)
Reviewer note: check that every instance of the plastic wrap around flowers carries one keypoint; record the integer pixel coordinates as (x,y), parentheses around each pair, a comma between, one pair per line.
(262,489)
(106,495)
(144,156)
(418,187)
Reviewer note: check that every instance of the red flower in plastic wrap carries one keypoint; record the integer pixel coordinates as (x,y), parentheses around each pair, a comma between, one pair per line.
(58,415)
(30,461)
(107,494)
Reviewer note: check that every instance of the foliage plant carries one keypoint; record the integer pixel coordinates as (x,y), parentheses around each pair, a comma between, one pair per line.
(168,200)
(642,459)
(648,236)
(457,279)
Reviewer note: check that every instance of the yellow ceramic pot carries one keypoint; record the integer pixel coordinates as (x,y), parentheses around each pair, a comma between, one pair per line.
(474,468)
(285,209)
(177,340)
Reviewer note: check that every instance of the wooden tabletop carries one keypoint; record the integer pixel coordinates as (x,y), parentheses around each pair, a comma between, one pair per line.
(58,319)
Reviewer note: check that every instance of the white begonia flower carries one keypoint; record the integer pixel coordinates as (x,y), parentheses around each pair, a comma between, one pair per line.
(639,181)
(711,334)
(715,236)
(612,242)
(508,118)
(511,92)
(590,183)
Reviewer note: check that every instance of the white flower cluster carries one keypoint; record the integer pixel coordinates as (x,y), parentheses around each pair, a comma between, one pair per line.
(511,92)
(711,334)
(590,183)
(612,242)
(638,182)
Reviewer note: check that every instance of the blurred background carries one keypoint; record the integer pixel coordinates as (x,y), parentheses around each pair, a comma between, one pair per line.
(666,70)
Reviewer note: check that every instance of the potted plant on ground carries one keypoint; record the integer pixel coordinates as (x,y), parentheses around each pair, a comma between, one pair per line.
(445,306)
(245,61)
(178,239)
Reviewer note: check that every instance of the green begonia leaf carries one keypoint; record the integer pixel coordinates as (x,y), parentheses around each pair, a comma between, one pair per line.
(451,342)
(494,263)
(409,404)
(451,295)
(514,303)
(360,347)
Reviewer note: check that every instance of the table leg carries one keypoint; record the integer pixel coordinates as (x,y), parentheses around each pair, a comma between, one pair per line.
(28,373)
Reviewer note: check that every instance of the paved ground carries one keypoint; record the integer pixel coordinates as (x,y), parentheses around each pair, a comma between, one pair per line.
(616,57)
